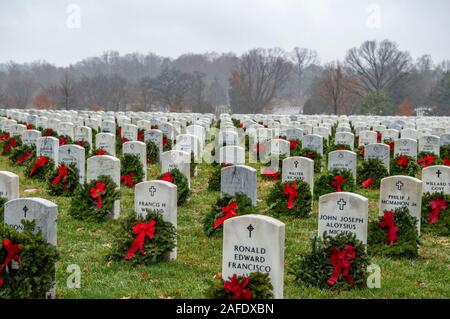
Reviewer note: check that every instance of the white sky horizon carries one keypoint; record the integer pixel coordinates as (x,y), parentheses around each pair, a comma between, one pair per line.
(65,32)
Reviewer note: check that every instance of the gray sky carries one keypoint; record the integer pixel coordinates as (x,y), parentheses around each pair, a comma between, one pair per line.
(66,31)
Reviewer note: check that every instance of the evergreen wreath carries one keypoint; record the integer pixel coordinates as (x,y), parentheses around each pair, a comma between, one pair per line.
(131,170)
(226,207)
(36,258)
(290,198)
(64,140)
(370,173)
(174,176)
(49,132)
(360,150)
(318,268)
(86,145)
(316,157)
(64,180)
(9,144)
(337,180)
(391,144)
(94,200)
(22,154)
(425,159)
(158,237)
(152,152)
(167,144)
(404,165)
(436,214)
(296,147)
(39,168)
(394,236)
(445,154)
(254,286)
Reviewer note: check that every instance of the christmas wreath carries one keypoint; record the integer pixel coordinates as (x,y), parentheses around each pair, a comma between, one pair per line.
(296,147)
(10,143)
(338,147)
(390,143)
(226,207)
(436,214)
(174,176)
(425,159)
(94,200)
(316,157)
(152,152)
(131,169)
(49,132)
(36,258)
(86,145)
(64,140)
(394,234)
(404,165)
(254,286)
(21,154)
(39,168)
(64,180)
(290,198)
(143,240)
(167,144)
(214,178)
(445,154)
(370,173)
(99,151)
(335,263)
(337,180)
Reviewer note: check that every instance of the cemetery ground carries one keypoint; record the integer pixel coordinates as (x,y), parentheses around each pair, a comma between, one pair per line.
(87,244)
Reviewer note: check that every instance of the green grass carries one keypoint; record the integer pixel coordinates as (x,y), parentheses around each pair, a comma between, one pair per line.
(199,258)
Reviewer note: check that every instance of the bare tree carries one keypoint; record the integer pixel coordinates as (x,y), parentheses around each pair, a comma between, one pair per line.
(379,65)
(302,59)
(66,87)
(338,89)
(257,78)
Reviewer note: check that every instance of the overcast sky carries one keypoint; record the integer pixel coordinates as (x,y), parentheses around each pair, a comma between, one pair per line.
(66,31)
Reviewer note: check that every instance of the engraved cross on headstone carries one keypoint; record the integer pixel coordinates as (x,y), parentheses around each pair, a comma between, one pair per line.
(152,191)
(296,164)
(438,173)
(341,203)
(250,228)
(399,185)
(68,151)
(25,209)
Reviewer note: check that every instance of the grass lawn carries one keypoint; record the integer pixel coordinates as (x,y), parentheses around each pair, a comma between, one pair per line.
(199,258)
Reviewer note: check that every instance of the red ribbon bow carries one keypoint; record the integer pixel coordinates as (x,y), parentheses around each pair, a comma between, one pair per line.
(47,132)
(293,145)
(238,288)
(270,173)
(140,135)
(119,131)
(341,260)
(4,136)
(11,144)
(338,180)
(446,162)
(361,152)
(12,251)
(426,160)
(379,136)
(141,230)
(62,140)
(241,125)
(310,155)
(97,192)
(387,221)
(124,140)
(100,152)
(167,177)
(403,161)
(391,145)
(24,157)
(291,192)
(164,140)
(341,148)
(228,212)
(41,161)
(436,206)
(368,183)
(62,174)
(29,126)
(128,179)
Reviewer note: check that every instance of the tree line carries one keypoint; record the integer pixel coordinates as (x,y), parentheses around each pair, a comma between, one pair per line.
(375,78)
